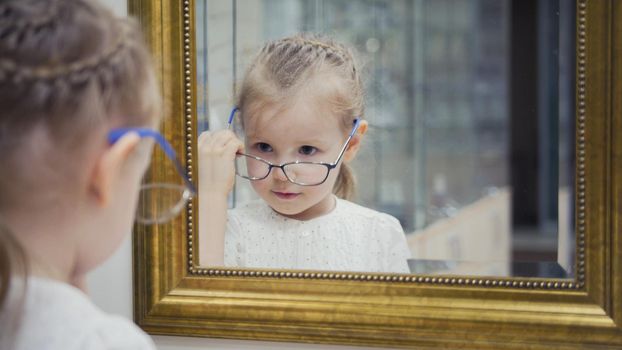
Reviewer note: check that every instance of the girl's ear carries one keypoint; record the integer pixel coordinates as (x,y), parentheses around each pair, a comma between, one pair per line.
(355,142)
(107,170)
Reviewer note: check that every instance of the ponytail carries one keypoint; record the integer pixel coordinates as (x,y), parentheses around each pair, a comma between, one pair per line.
(345,184)
(13,273)
(12,261)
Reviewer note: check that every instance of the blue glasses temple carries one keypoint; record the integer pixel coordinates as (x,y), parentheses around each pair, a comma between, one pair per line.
(235,109)
(115,134)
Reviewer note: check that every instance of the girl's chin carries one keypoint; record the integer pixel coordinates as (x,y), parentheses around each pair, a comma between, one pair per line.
(288,209)
(299,208)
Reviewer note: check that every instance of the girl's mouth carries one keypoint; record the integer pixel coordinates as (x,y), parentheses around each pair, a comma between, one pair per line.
(285,195)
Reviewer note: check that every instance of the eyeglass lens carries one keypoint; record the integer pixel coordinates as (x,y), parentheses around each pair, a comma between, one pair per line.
(159,202)
(299,173)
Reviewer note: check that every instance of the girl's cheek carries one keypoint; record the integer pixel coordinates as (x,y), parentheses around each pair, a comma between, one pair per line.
(259,185)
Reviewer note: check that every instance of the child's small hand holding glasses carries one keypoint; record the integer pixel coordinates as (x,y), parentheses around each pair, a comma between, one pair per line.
(217,151)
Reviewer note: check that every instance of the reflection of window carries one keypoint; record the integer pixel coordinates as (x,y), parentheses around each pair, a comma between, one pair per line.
(438,86)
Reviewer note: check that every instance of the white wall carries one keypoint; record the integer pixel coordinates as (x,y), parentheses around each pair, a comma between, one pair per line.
(111,288)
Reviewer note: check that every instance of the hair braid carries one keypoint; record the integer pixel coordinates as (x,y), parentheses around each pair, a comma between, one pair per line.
(83,71)
(333,51)
(75,72)
(8,20)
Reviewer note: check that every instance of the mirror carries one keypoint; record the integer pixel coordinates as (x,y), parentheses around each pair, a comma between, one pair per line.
(174,295)
(471,111)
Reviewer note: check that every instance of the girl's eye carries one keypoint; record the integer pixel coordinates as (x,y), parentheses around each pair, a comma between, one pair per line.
(307,150)
(264,147)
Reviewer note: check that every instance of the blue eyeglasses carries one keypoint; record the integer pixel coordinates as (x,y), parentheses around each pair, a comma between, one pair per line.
(298,172)
(159,202)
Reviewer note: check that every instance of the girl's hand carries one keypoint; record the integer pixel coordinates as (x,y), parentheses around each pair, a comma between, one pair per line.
(216,161)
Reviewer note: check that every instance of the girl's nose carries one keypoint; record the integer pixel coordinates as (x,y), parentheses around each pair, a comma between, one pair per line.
(279,174)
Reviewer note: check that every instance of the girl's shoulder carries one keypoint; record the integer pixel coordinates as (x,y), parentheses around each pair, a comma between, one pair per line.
(59,316)
(356,212)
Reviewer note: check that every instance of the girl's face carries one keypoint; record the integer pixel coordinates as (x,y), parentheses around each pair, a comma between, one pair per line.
(303,132)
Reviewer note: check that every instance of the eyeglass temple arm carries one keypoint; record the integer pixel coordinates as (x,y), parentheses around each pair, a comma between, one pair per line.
(116,134)
(356,123)
(231,116)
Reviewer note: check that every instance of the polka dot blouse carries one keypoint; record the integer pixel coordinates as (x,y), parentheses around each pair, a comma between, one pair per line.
(349,238)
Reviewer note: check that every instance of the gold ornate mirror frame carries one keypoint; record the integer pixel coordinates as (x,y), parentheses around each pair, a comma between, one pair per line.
(173,296)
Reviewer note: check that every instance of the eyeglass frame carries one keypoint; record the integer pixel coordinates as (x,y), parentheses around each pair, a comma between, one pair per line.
(330,166)
(190,189)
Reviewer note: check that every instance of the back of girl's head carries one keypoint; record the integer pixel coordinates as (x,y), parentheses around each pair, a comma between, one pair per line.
(308,65)
(69,71)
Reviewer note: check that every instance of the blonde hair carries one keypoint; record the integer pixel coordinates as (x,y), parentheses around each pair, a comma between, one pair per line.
(69,72)
(13,270)
(283,68)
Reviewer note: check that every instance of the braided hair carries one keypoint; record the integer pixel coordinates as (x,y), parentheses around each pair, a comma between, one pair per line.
(283,69)
(69,72)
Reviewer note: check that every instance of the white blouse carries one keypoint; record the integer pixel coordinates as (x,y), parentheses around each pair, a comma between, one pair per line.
(59,316)
(349,238)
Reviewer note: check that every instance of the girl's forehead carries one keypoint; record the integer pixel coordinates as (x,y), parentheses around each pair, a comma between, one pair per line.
(304,114)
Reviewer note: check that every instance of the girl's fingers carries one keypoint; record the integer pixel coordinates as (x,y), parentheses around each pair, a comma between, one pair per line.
(220,142)
(234,144)
(220,138)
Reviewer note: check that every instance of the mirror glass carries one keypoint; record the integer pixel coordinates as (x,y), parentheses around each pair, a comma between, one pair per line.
(470,105)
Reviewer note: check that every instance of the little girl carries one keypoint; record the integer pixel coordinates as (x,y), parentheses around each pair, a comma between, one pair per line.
(70,74)
(300,107)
